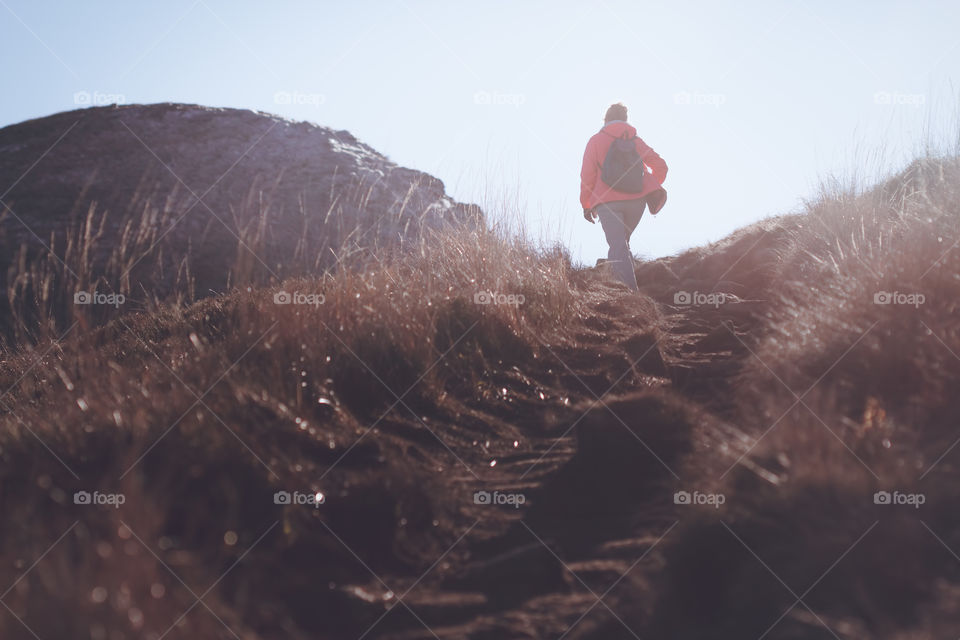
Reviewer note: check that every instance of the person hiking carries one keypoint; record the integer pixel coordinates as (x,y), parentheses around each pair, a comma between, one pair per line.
(620,177)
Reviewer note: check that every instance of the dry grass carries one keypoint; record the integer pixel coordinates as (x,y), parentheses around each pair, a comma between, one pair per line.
(137,253)
(394,396)
(197,413)
(840,398)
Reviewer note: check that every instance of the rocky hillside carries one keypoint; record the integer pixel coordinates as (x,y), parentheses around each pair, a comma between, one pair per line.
(180,198)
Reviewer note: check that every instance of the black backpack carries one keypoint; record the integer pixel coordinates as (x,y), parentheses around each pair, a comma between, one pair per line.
(623,168)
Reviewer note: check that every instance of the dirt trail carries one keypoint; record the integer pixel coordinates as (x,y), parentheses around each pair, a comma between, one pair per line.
(603,422)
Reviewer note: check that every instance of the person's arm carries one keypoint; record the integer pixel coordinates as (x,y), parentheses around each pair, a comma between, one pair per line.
(653,160)
(588,177)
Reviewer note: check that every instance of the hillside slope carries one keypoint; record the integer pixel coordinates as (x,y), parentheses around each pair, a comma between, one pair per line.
(156,201)
(505,446)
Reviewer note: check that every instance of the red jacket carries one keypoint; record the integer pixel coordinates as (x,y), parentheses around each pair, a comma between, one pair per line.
(593,190)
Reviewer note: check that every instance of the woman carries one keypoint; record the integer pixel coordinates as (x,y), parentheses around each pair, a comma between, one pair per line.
(620,211)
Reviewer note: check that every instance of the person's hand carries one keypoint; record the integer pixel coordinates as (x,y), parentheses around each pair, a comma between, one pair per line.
(590,216)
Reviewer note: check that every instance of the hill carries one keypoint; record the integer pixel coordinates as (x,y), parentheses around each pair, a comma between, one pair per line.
(161,200)
(477,440)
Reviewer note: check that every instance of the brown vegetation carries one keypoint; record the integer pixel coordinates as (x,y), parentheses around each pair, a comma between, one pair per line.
(796,399)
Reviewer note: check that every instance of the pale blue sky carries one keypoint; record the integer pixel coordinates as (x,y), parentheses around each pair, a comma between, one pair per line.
(750,103)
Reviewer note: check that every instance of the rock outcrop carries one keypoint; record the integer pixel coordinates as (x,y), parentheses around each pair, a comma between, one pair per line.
(214,197)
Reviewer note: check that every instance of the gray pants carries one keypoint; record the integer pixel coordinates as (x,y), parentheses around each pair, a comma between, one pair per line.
(618,220)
